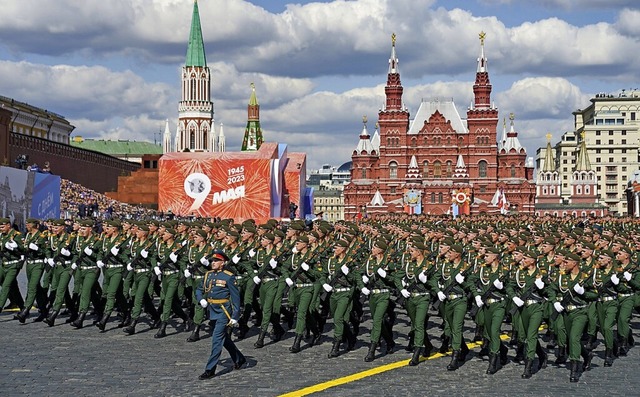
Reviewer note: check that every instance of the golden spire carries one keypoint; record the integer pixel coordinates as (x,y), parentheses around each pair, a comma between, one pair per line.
(512,116)
(364,119)
(393,39)
(548,137)
(482,35)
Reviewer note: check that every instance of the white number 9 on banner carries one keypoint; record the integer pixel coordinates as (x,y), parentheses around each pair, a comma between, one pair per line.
(197,186)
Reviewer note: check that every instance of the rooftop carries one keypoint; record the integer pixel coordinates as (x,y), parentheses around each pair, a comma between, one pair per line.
(117,147)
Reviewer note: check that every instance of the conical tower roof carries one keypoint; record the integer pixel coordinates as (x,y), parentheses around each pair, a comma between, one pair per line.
(195,51)
(583,163)
(549,164)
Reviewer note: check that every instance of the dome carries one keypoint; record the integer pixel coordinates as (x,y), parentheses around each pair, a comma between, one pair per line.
(346,167)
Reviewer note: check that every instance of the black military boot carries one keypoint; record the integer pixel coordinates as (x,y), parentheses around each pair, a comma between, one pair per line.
(527,368)
(552,344)
(131,328)
(42,316)
(587,356)
(22,316)
(504,354)
(519,353)
(162,332)
(445,345)
(208,374)
(513,338)
(52,318)
(102,324)
(624,347)
(428,347)
(455,358)
(493,364)
(295,348)
(562,355)
(478,334)
(415,359)
(591,343)
(335,349)
(260,342)
(542,356)
(351,338)
(464,351)
(195,334)
(608,357)
(575,375)
(410,346)
(317,335)
(78,322)
(371,354)
(484,352)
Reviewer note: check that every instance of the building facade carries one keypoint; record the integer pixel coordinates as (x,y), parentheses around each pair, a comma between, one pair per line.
(439,159)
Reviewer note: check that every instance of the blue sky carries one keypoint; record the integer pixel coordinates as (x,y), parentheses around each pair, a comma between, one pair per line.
(112,68)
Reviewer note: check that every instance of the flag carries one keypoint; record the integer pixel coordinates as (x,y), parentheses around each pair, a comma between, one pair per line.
(454,210)
(500,200)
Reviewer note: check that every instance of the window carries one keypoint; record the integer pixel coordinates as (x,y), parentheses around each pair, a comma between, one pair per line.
(611,151)
(611,159)
(598,151)
(598,142)
(597,133)
(513,170)
(624,168)
(393,190)
(425,169)
(624,159)
(565,161)
(364,173)
(449,169)
(624,142)
(440,198)
(598,160)
(610,132)
(482,169)
(433,198)
(598,169)
(610,141)
(393,170)
(437,170)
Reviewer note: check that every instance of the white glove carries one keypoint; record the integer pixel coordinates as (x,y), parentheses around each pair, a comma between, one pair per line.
(479,301)
(14,245)
(233,322)
(615,280)
(187,273)
(184,242)
(115,250)
(8,246)
(252,252)
(88,251)
(345,269)
(365,291)
(405,293)
(65,252)
(289,281)
(51,262)
(327,287)
(273,262)
(381,272)
(422,277)
(294,250)
(459,278)
(173,257)
(74,266)
(404,283)
(365,279)
(627,276)
(204,303)
(144,253)
(519,302)
(256,280)
(129,267)
(33,247)
(204,261)
(579,289)
(539,283)
(100,264)
(558,307)
(441,296)
(157,271)
(498,284)
(304,266)
(235,259)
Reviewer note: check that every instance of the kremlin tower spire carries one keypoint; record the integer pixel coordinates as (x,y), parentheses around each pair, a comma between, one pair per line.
(195,110)
(394,89)
(253,133)
(482,86)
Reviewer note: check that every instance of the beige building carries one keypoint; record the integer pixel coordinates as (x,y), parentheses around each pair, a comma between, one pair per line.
(33,121)
(612,135)
(330,202)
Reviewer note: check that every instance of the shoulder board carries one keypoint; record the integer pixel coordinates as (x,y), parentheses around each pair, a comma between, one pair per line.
(228,272)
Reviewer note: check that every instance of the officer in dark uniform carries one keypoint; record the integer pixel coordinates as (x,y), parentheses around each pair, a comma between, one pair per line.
(219,294)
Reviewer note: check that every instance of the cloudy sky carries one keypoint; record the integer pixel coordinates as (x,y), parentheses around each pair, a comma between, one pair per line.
(113,67)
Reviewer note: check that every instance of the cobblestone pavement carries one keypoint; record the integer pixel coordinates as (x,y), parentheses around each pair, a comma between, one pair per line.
(38,360)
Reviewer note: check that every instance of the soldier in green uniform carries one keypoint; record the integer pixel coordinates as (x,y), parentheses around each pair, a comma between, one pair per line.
(60,260)
(111,258)
(35,255)
(140,255)
(607,305)
(198,265)
(626,287)
(85,268)
(11,248)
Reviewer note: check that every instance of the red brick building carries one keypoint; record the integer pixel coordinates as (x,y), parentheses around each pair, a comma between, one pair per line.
(426,164)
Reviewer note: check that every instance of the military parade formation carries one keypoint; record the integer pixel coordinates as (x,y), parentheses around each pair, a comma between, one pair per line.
(579,279)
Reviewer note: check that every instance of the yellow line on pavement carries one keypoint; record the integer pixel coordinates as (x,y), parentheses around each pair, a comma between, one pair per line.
(365,374)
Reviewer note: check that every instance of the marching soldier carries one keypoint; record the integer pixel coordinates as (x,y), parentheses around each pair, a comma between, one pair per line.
(85,269)
(111,259)
(34,251)
(11,248)
(197,256)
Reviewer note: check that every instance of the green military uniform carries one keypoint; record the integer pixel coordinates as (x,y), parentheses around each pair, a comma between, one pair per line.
(11,248)
(35,254)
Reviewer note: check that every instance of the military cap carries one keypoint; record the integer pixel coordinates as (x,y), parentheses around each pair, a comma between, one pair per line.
(627,250)
(265,226)
(608,253)
(419,245)
(303,239)
(457,248)
(381,243)
(278,233)
(233,233)
(589,245)
(448,242)
(493,250)
(201,233)
(549,240)
(297,226)
(219,255)
(247,222)
(272,222)
(249,228)
(269,236)
(33,221)
(55,222)
(529,254)
(315,234)
(342,243)
(86,223)
(573,257)
(153,222)
(171,231)
(112,223)
(144,228)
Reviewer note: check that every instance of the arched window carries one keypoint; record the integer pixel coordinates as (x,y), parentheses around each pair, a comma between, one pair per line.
(586,189)
(440,198)
(364,173)
(433,197)
(513,170)
(437,170)
(449,169)
(425,169)
(482,169)
(544,191)
(192,140)
(393,170)
(414,142)
(448,141)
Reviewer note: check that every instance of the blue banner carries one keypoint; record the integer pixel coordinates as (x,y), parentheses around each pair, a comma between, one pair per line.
(45,203)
